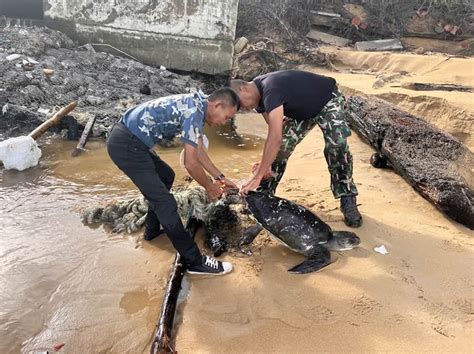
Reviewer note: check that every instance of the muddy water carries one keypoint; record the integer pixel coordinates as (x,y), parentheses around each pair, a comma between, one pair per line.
(63,282)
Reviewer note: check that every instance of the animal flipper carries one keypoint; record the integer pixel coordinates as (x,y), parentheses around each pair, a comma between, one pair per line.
(249,234)
(318,260)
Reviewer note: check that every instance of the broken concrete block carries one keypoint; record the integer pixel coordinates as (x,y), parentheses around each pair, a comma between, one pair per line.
(327,38)
(319,18)
(240,45)
(379,45)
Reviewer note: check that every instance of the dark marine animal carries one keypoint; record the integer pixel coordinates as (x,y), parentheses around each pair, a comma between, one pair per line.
(300,230)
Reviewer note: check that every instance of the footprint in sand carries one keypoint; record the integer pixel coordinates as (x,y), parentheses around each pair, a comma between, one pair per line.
(321,314)
(364,305)
(465,306)
(443,316)
(454,245)
(227,317)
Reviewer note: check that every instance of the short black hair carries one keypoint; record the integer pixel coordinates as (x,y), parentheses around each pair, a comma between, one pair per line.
(237,84)
(226,95)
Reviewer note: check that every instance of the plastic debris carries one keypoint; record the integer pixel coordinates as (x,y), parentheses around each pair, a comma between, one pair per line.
(13,57)
(19,153)
(57,347)
(43,110)
(381,250)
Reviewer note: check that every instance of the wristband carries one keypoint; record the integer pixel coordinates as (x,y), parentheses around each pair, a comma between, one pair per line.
(220,177)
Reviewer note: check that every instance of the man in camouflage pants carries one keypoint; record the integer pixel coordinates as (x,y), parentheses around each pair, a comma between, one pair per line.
(292,103)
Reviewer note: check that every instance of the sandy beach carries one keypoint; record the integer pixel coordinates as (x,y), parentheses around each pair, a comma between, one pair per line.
(101,293)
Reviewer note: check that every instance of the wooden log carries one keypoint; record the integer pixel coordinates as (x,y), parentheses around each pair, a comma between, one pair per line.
(435,163)
(162,342)
(84,137)
(418,86)
(55,119)
(443,35)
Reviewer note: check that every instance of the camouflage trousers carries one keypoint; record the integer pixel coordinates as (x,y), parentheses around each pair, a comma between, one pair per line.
(333,123)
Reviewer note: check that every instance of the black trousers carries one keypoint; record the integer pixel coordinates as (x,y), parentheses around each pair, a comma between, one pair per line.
(154,179)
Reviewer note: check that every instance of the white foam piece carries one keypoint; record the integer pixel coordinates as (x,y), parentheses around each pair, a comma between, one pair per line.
(19,153)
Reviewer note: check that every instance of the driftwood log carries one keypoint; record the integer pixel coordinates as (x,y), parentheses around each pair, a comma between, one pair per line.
(84,137)
(435,163)
(162,342)
(55,119)
(418,86)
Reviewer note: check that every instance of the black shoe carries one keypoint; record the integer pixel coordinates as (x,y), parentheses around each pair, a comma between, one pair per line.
(150,234)
(352,216)
(210,266)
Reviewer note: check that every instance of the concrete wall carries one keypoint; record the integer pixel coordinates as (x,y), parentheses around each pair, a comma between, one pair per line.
(179,34)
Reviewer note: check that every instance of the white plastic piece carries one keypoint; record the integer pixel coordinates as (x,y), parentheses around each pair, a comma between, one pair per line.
(19,153)
(43,110)
(381,250)
(13,57)
(162,67)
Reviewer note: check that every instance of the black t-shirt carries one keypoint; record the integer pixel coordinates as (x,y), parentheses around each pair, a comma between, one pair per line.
(302,94)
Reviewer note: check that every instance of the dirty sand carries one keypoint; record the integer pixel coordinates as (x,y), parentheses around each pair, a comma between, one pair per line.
(101,293)
(418,298)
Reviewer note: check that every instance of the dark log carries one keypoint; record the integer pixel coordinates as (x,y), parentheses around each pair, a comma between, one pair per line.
(418,86)
(84,137)
(443,36)
(162,342)
(435,163)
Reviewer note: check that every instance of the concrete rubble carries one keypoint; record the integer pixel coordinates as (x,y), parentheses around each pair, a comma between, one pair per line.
(41,68)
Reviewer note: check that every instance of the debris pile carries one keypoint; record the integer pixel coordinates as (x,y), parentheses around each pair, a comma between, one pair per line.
(41,68)
(368,25)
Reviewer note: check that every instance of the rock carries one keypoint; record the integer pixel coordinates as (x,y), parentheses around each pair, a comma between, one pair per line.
(420,50)
(240,45)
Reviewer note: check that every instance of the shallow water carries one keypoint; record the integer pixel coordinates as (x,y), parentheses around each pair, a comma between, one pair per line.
(63,281)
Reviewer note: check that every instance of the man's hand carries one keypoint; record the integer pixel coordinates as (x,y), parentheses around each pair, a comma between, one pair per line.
(214,190)
(250,185)
(267,174)
(228,184)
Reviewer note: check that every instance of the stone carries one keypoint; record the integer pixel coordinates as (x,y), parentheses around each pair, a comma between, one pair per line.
(327,38)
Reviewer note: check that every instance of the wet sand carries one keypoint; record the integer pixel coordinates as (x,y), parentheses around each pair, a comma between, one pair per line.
(64,282)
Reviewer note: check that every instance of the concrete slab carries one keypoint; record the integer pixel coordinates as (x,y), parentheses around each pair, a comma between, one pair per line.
(179,34)
(327,38)
(379,45)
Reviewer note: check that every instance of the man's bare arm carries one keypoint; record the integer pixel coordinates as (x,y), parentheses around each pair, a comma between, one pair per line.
(274,137)
(205,161)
